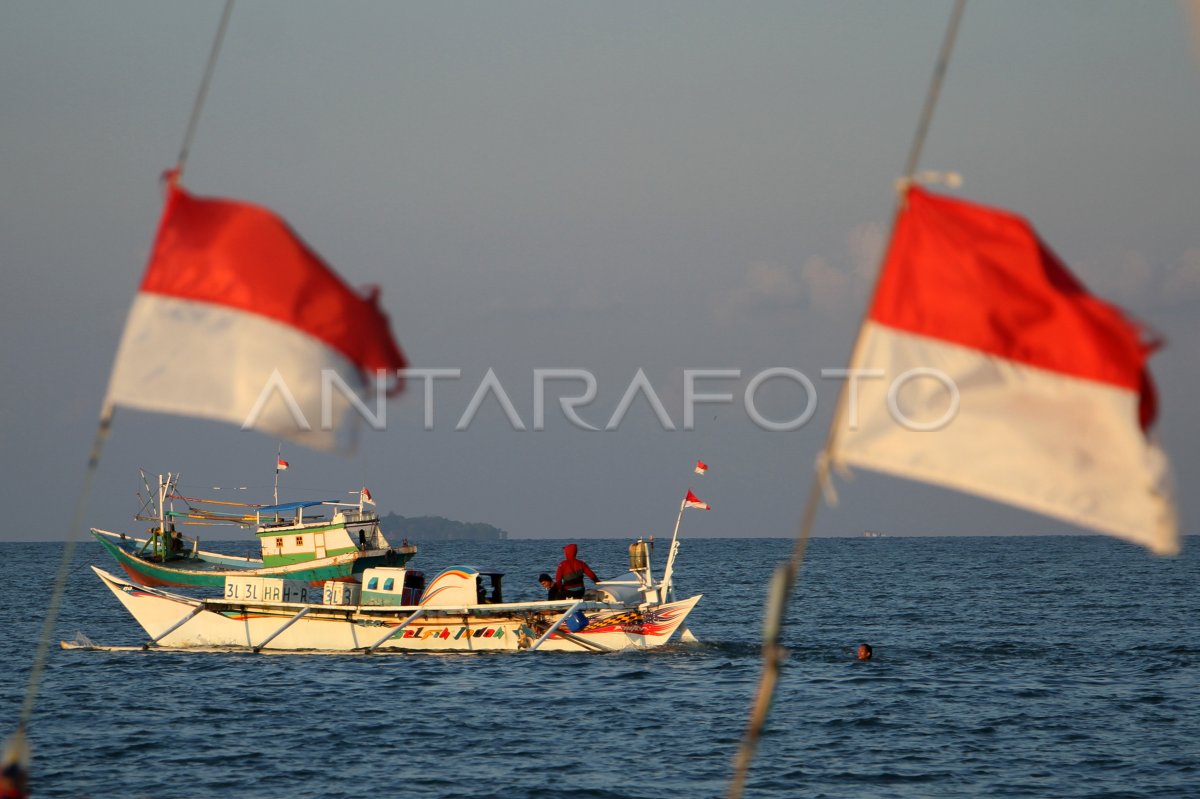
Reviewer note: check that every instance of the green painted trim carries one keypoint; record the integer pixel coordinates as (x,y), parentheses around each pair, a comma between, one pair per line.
(166,575)
(304,557)
(276,532)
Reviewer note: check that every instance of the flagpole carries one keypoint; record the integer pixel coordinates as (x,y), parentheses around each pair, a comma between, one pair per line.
(17,745)
(668,572)
(784,578)
(16,753)
(202,93)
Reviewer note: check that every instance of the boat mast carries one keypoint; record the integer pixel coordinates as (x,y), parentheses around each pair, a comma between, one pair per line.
(163,489)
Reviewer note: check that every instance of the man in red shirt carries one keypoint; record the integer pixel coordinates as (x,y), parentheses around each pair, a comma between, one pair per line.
(571,572)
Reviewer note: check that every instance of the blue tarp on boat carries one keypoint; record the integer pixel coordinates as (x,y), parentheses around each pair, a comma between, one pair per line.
(290,506)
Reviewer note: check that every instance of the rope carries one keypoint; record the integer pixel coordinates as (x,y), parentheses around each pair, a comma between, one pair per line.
(203,91)
(784,579)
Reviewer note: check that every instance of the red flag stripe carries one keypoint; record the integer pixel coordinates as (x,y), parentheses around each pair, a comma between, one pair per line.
(980,277)
(244,257)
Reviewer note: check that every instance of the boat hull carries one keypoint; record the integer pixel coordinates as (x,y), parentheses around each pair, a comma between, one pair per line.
(211,572)
(179,622)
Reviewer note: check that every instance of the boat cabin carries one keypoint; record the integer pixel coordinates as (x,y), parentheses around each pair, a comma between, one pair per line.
(288,535)
(460,586)
(386,585)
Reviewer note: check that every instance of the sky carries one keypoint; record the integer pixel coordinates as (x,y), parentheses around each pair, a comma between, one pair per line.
(609,187)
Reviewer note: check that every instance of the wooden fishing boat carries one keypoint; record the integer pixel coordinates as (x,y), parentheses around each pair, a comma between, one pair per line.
(393,611)
(296,541)
(392,608)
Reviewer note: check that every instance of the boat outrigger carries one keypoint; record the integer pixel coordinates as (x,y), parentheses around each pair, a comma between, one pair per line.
(296,542)
(462,609)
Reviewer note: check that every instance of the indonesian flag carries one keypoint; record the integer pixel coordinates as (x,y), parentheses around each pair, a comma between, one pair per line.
(701,467)
(238,320)
(281,465)
(692,501)
(365,496)
(997,373)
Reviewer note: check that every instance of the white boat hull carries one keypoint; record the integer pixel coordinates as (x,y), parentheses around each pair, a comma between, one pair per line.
(177,622)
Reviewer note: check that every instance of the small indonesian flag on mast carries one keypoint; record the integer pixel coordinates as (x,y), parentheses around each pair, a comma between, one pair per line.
(987,367)
(365,496)
(701,467)
(281,465)
(236,319)
(693,501)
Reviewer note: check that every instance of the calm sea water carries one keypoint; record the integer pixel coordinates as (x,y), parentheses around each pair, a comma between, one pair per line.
(1039,667)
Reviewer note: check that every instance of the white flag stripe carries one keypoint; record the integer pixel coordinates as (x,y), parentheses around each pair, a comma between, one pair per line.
(197,358)
(1060,445)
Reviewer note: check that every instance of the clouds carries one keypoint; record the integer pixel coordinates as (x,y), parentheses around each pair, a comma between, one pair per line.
(832,287)
(1141,284)
(1181,283)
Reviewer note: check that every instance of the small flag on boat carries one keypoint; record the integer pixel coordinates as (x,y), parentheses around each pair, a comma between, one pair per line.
(692,501)
(281,465)
(701,467)
(998,374)
(237,320)
(365,496)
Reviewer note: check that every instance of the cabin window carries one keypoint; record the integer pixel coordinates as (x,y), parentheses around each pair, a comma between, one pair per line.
(373,583)
(279,543)
(299,540)
(389,584)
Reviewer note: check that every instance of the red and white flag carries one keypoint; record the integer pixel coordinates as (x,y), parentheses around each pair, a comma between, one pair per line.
(998,374)
(693,501)
(238,320)
(281,465)
(365,496)
(701,467)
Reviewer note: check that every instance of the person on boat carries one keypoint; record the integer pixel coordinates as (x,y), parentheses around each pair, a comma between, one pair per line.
(552,593)
(865,652)
(570,574)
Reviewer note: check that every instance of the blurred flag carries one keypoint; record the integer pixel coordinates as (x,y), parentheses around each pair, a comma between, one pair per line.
(692,501)
(365,496)
(701,467)
(281,465)
(14,767)
(1004,377)
(238,320)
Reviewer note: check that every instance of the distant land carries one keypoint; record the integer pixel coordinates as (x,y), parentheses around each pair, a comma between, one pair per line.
(436,528)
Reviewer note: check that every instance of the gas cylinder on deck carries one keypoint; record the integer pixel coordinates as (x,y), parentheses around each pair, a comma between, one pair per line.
(639,555)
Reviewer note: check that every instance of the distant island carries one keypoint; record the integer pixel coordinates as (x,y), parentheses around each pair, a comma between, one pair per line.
(436,528)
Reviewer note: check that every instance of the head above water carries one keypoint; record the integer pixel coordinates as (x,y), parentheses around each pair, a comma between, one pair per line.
(865,652)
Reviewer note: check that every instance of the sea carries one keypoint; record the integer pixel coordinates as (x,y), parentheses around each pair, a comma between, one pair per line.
(1009,666)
